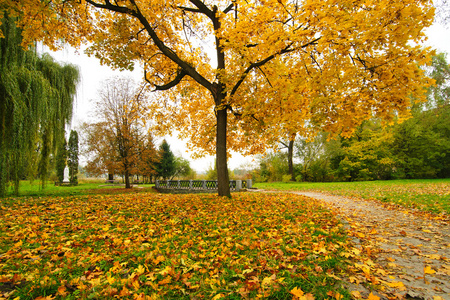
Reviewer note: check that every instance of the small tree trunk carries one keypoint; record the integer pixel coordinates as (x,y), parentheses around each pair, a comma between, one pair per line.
(290,159)
(110,177)
(127,180)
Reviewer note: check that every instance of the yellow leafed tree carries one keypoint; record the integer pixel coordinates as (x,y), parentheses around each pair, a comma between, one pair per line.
(259,69)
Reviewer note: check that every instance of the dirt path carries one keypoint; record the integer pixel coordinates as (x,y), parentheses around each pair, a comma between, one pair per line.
(411,254)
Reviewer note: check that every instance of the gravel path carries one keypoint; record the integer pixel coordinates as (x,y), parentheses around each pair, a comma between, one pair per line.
(411,253)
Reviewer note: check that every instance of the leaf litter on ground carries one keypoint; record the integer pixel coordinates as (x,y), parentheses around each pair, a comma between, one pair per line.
(153,246)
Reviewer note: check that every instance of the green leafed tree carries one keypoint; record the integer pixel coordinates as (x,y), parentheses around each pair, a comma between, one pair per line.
(182,167)
(36,98)
(72,157)
(61,158)
(166,165)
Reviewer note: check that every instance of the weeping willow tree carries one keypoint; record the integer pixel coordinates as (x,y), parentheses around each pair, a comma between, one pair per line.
(36,100)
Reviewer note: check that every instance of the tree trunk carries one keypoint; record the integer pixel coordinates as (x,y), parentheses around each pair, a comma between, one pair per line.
(127,179)
(223,180)
(290,159)
(110,177)
(219,94)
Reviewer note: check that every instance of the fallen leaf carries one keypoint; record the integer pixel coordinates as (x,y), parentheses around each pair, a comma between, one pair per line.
(373,297)
(297,292)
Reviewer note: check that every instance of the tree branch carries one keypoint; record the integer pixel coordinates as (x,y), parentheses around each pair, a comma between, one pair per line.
(228,9)
(168,85)
(169,53)
(194,10)
(266,60)
(203,8)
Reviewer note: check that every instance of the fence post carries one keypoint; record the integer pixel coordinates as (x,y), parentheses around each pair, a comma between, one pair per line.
(249,183)
(157,183)
(238,185)
(204,184)
(178,184)
(190,184)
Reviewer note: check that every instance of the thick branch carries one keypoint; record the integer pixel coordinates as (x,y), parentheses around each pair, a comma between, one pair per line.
(188,69)
(171,84)
(203,8)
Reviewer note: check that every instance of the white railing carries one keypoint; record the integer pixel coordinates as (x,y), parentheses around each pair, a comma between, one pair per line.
(235,185)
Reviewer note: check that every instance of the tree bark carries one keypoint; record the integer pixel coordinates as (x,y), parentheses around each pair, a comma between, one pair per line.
(218,91)
(290,159)
(223,180)
(127,179)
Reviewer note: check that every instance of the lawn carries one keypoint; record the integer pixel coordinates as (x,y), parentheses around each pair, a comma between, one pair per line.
(160,246)
(428,195)
(34,188)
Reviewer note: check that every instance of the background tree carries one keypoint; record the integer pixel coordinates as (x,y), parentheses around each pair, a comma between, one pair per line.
(182,167)
(166,165)
(148,159)
(36,100)
(278,65)
(99,149)
(114,141)
(72,157)
(61,158)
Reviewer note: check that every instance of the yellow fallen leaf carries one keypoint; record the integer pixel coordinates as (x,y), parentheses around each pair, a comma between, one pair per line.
(140,270)
(373,297)
(297,292)
(428,270)
(396,284)
(218,296)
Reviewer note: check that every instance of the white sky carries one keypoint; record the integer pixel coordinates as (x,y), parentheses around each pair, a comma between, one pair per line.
(92,74)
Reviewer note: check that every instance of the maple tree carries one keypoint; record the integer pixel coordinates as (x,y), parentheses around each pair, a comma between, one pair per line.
(115,139)
(148,159)
(261,69)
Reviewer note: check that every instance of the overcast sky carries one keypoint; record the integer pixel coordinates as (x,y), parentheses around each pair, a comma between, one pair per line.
(92,74)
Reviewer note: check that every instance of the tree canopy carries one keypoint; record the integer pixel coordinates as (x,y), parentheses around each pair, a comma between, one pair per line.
(36,100)
(115,140)
(262,69)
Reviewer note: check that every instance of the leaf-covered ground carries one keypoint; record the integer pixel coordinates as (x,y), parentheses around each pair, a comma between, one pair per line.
(406,254)
(141,246)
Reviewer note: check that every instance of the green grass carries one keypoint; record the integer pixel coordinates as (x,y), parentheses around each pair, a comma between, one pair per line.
(432,195)
(34,188)
(165,246)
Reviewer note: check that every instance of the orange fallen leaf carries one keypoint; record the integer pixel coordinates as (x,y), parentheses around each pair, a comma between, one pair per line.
(373,297)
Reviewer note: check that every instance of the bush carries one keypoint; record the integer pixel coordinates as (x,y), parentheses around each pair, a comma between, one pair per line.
(286,178)
(298,178)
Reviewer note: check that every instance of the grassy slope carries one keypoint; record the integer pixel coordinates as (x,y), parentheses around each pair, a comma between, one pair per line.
(34,188)
(424,194)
